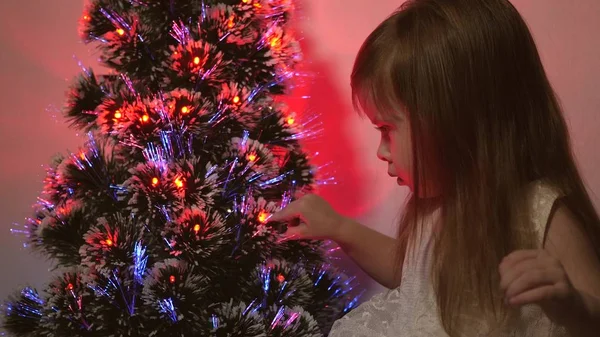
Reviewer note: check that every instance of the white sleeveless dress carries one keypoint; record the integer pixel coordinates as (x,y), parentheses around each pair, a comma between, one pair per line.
(411,310)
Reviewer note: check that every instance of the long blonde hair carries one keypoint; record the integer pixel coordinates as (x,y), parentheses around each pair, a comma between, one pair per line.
(484,123)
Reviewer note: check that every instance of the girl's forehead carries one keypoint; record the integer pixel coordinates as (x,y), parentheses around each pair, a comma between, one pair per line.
(381,111)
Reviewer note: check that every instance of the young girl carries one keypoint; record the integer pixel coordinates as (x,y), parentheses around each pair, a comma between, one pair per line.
(499,236)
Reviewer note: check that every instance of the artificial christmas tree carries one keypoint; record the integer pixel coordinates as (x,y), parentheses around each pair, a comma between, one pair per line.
(157,225)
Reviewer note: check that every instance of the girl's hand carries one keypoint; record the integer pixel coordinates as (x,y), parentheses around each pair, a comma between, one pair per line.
(309,217)
(534,276)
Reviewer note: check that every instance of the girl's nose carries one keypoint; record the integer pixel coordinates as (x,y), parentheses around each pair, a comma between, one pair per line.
(383,154)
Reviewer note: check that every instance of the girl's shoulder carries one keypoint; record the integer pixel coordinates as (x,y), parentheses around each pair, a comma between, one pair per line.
(541,198)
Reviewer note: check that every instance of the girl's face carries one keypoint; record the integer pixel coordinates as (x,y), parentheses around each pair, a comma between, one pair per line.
(395,146)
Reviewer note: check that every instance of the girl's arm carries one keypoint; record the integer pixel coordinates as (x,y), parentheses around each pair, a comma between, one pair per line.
(568,242)
(375,253)
(563,277)
(585,320)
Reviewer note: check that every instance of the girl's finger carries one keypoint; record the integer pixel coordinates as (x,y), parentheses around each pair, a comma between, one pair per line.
(285,214)
(532,296)
(508,276)
(517,256)
(530,280)
(294,233)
